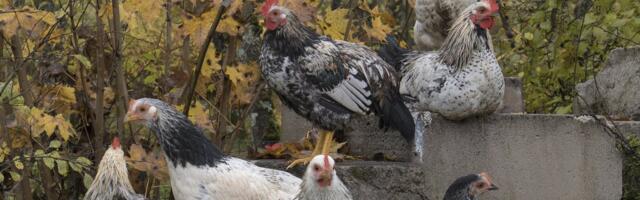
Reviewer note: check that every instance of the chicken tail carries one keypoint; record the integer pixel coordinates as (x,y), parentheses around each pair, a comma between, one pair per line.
(396,114)
(392,53)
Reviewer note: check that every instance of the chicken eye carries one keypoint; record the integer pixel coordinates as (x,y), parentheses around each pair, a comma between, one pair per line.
(482,10)
(142,109)
(275,13)
(481,185)
(316,168)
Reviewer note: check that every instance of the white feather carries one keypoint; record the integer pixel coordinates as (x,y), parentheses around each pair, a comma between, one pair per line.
(234,179)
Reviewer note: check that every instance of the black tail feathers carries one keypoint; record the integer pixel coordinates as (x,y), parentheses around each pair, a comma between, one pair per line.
(392,53)
(396,114)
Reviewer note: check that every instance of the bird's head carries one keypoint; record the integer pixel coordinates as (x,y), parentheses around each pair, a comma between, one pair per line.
(482,13)
(141,110)
(470,186)
(274,15)
(320,171)
(115,144)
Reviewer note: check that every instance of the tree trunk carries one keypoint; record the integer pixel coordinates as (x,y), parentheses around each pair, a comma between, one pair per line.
(25,91)
(121,85)
(98,124)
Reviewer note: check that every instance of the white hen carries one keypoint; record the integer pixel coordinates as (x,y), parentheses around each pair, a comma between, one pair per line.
(320,181)
(463,78)
(198,169)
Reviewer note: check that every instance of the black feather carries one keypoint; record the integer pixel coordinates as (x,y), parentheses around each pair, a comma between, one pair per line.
(181,141)
(394,113)
(392,53)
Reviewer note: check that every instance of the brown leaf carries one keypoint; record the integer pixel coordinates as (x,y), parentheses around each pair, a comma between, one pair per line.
(304,9)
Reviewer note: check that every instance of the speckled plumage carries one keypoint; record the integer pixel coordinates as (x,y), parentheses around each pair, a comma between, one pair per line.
(198,170)
(460,80)
(329,82)
(433,20)
(112,179)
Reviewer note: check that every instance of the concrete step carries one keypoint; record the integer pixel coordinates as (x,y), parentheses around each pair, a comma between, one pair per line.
(529,156)
(373,180)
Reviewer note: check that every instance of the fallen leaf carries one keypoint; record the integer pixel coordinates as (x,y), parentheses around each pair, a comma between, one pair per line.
(334,24)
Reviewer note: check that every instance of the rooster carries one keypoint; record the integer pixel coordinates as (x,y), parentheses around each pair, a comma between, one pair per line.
(460,80)
(327,81)
(198,169)
(469,187)
(112,179)
(320,181)
(433,20)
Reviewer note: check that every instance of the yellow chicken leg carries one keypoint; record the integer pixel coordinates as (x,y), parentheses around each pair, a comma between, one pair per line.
(317,149)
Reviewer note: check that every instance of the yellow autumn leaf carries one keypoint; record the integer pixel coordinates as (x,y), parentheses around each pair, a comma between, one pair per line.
(378,30)
(35,21)
(65,130)
(230,26)
(334,24)
(244,78)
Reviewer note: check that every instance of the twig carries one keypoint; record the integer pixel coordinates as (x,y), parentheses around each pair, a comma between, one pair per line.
(203,51)
(167,40)
(350,21)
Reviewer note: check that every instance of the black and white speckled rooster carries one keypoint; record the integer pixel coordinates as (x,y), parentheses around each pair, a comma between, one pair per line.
(320,181)
(328,81)
(433,20)
(469,187)
(112,178)
(198,169)
(460,80)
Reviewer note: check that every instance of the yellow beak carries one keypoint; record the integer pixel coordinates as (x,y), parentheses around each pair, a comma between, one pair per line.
(129,117)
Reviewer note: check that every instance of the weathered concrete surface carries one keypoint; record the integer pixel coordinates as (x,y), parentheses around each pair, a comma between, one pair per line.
(513,101)
(374,180)
(529,156)
(615,90)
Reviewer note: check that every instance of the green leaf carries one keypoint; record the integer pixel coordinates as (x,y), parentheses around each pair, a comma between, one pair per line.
(84,161)
(39,153)
(87,180)
(1,178)
(49,162)
(528,36)
(63,167)
(75,167)
(83,60)
(589,18)
(55,144)
(15,176)
(18,164)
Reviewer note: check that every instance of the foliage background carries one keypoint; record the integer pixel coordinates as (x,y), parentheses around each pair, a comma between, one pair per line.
(67,69)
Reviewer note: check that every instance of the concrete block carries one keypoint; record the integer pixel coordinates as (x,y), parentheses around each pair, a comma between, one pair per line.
(513,101)
(529,156)
(373,180)
(615,91)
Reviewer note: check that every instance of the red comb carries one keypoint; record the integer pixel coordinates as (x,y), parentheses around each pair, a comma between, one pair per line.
(116,143)
(326,161)
(493,6)
(267,5)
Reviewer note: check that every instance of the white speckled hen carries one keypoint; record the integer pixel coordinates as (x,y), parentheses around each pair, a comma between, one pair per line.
(327,81)
(198,169)
(469,187)
(112,178)
(320,181)
(433,20)
(463,78)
